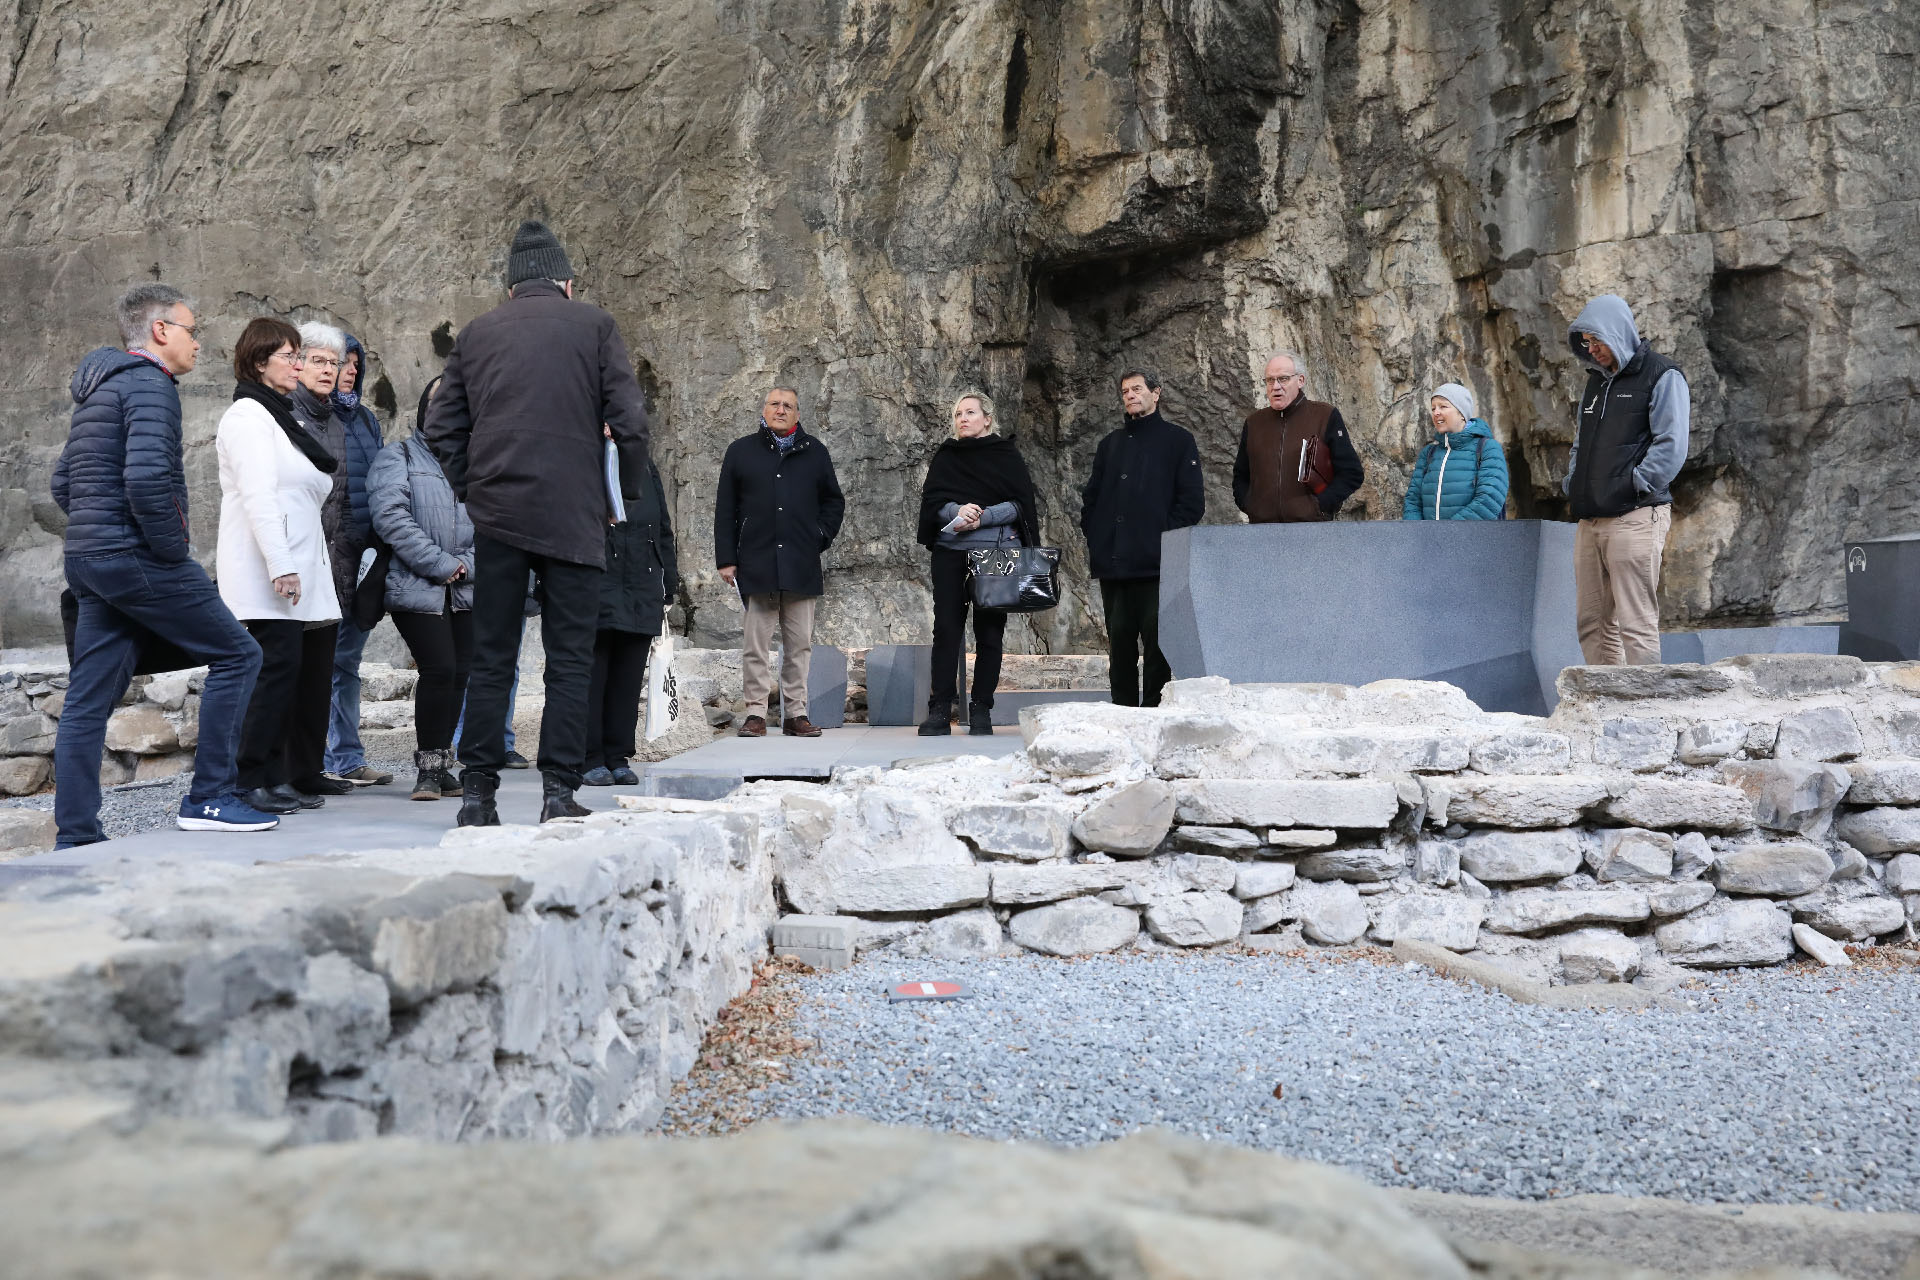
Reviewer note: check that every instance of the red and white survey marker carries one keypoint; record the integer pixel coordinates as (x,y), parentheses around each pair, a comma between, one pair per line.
(941,990)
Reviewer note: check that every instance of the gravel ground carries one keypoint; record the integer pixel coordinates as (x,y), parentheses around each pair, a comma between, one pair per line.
(1793,1085)
(148,806)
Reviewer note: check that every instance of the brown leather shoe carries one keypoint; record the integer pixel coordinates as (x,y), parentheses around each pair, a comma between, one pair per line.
(799,727)
(753,727)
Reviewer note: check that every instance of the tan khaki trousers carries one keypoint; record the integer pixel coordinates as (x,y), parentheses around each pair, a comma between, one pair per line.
(792,616)
(1616,571)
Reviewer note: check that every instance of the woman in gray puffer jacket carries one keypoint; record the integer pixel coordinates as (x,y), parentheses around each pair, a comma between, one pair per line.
(429,593)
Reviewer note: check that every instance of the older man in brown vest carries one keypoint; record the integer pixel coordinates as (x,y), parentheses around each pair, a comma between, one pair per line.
(1295,461)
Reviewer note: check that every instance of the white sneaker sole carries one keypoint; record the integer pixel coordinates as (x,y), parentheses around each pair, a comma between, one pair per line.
(214,824)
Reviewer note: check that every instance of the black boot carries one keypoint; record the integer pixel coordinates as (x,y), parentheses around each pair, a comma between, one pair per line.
(556,800)
(979,720)
(448,779)
(939,721)
(427,785)
(476,801)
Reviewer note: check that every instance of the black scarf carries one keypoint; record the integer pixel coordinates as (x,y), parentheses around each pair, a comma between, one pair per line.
(282,410)
(986,470)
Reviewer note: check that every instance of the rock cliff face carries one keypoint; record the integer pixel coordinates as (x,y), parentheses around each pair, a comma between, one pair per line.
(885,202)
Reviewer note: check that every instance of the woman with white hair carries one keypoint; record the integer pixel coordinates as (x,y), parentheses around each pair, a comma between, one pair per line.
(1462,473)
(274,572)
(978,493)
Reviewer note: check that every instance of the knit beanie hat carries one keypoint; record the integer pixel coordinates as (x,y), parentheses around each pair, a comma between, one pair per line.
(1459,397)
(536,255)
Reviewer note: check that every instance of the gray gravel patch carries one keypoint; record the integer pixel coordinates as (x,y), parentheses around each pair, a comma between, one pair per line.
(1785,1087)
(150,806)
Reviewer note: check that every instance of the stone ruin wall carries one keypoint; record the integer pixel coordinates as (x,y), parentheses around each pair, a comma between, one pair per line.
(549,981)
(888,200)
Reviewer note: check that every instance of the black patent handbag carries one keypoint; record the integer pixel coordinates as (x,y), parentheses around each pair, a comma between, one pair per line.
(1014,579)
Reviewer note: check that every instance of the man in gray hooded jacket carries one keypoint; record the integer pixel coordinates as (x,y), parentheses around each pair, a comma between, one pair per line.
(1631,442)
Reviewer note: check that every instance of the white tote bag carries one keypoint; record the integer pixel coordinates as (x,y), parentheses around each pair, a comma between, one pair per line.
(663,695)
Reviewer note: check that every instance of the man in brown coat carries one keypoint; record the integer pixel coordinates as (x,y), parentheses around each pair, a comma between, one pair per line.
(1272,482)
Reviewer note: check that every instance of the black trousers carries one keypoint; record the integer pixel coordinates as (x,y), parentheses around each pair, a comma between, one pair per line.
(950,604)
(284,736)
(613,700)
(1133,632)
(569,610)
(442,649)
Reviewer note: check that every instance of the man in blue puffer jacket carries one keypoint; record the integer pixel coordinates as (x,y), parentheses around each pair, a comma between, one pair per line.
(346,758)
(121,482)
(1462,473)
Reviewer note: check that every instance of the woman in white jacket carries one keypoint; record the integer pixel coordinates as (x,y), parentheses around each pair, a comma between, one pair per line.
(273,568)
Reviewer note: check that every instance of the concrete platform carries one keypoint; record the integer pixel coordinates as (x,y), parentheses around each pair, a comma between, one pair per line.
(708,772)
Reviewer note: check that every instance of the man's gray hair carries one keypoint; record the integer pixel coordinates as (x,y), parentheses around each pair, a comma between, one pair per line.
(1299,365)
(315,336)
(141,305)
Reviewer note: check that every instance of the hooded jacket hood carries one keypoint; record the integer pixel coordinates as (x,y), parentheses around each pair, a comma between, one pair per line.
(100,364)
(1474,427)
(1609,316)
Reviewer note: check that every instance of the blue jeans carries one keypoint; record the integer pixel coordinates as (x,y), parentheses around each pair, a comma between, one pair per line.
(344,752)
(118,595)
(513,694)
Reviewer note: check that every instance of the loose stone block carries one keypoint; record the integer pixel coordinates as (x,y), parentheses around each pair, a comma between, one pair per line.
(1678,899)
(1666,805)
(167,691)
(967,935)
(1692,855)
(1643,746)
(1630,854)
(1263,879)
(1024,832)
(25,831)
(24,775)
(824,942)
(1130,823)
(1533,910)
(1774,870)
(1365,864)
(29,735)
(1203,871)
(1522,802)
(1818,733)
(1728,933)
(1449,921)
(443,934)
(1880,831)
(1903,873)
(1500,857)
(142,729)
(1522,751)
(1598,955)
(1436,862)
(1884,782)
(1820,948)
(1793,675)
(1628,684)
(886,890)
(1856,919)
(1051,883)
(1195,919)
(1264,913)
(1082,927)
(1712,741)
(1225,841)
(1259,803)
(1848,862)
(1789,795)
(1331,912)
(1302,838)
(1072,750)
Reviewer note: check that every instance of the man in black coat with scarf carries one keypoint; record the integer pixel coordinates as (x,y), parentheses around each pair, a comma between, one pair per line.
(1145,481)
(778,509)
(518,426)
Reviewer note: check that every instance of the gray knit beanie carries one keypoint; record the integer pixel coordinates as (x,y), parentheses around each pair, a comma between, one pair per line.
(536,255)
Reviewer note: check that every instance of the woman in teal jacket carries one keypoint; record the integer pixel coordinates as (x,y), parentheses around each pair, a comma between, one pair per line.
(1462,474)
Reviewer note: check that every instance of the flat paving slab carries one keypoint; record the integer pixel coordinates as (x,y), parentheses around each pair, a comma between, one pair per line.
(708,772)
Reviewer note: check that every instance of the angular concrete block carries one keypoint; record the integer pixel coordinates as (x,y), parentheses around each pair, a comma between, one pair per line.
(824,942)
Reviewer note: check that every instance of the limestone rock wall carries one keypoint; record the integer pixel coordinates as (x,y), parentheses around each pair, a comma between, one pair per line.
(513,983)
(886,201)
(1663,818)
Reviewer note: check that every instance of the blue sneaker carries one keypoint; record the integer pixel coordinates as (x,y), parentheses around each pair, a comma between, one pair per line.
(225,813)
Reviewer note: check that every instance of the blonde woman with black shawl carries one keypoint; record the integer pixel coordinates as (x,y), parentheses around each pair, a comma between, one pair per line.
(978,494)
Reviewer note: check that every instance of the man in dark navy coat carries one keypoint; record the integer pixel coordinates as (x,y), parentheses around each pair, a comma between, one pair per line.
(778,510)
